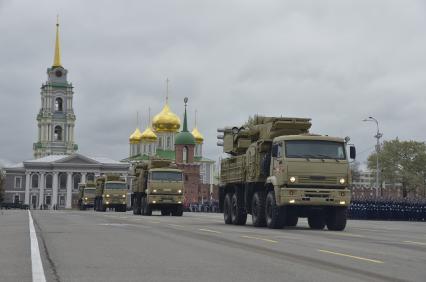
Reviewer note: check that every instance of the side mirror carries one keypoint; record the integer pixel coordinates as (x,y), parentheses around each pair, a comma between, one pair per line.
(352,152)
(274,152)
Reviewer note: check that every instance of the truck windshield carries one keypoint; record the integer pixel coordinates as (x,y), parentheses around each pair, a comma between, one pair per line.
(166,175)
(315,149)
(89,191)
(115,186)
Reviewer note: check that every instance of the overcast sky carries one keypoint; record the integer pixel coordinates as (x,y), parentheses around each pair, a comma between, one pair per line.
(336,62)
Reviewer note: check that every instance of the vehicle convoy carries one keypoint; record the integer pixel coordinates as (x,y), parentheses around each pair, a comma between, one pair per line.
(111,192)
(86,195)
(277,172)
(157,185)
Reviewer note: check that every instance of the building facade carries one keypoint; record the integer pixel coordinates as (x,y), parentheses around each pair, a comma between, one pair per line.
(52,181)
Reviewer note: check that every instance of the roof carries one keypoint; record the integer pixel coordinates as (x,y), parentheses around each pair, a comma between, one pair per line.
(309,137)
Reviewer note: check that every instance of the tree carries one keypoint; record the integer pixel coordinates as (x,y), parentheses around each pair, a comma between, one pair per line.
(2,182)
(355,171)
(402,162)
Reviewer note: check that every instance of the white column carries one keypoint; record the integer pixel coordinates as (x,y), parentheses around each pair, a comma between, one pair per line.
(27,187)
(55,183)
(41,187)
(83,177)
(69,192)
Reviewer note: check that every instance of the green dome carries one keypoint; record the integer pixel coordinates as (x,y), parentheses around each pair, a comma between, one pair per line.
(184,138)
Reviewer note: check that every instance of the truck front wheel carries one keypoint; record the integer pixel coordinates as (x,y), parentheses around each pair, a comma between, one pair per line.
(258,209)
(275,215)
(227,209)
(336,219)
(238,213)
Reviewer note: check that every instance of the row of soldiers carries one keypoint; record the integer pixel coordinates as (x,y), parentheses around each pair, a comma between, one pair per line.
(408,209)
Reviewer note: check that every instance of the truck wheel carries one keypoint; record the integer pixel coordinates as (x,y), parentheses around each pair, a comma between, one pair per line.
(147,209)
(316,221)
(227,209)
(336,219)
(275,215)
(258,209)
(238,213)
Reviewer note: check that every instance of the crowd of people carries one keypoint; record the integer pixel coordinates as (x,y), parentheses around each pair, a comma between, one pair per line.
(381,208)
(373,208)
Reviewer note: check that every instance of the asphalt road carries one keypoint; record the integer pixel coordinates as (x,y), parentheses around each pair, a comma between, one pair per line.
(90,246)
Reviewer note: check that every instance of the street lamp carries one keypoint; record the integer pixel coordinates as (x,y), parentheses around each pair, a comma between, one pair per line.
(377,136)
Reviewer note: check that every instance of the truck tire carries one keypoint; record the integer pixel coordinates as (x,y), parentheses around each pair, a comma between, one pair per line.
(165,212)
(238,213)
(275,215)
(147,209)
(258,209)
(316,221)
(227,203)
(336,219)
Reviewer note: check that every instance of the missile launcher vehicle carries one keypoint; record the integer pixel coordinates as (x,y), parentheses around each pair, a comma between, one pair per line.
(157,185)
(86,195)
(277,172)
(111,192)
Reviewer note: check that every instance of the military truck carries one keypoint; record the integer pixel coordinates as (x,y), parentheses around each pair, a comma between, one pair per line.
(157,185)
(111,192)
(86,195)
(277,172)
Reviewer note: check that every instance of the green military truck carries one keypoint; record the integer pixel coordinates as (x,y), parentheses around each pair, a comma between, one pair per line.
(157,185)
(111,192)
(86,195)
(277,172)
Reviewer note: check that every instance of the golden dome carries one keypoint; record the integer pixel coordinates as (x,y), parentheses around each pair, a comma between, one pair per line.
(148,135)
(166,121)
(136,136)
(197,135)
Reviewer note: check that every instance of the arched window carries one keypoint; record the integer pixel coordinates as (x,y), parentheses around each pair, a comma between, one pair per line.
(63,180)
(34,181)
(160,142)
(185,154)
(168,142)
(149,149)
(49,181)
(58,133)
(58,105)
(90,177)
(77,179)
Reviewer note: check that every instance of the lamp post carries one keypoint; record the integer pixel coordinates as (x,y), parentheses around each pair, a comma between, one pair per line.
(377,136)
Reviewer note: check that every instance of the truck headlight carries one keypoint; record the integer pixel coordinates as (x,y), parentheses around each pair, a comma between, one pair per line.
(107,195)
(342,181)
(292,179)
(154,191)
(124,195)
(179,191)
(85,198)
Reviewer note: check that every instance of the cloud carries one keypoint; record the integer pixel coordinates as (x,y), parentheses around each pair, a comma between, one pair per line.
(335,61)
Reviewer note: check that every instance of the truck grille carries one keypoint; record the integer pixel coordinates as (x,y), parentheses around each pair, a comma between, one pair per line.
(317,180)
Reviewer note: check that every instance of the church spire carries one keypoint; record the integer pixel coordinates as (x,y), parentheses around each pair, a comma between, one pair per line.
(57,58)
(185,123)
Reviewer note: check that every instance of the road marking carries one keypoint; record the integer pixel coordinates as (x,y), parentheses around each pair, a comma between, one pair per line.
(36,263)
(347,234)
(208,230)
(262,239)
(415,243)
(175,225)
(286,237)
(124,217)
(349,256)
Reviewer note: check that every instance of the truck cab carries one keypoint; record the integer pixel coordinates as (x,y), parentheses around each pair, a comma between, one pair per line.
(111,192)
(310,170)
(87,193)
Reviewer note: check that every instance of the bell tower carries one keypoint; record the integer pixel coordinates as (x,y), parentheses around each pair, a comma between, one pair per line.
(56,117)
